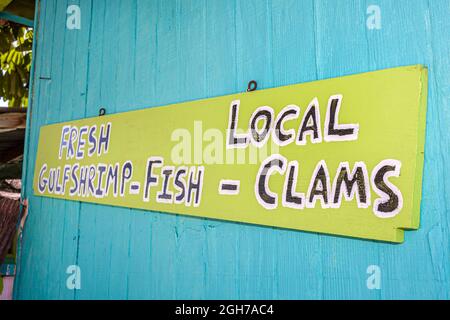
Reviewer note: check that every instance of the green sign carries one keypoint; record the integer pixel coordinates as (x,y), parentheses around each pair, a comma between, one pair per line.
(342,156)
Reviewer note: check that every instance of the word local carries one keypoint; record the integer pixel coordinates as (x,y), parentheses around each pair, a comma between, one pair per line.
(310,125)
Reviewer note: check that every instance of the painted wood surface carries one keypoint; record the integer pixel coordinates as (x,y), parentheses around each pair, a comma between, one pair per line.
(133,54)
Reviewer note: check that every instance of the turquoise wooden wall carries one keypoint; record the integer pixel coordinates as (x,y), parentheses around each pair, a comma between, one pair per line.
(134,54)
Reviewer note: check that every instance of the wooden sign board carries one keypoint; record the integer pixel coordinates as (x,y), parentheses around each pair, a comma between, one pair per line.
(341,156)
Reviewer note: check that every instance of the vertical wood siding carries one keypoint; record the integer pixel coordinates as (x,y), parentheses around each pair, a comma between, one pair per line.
(134,54)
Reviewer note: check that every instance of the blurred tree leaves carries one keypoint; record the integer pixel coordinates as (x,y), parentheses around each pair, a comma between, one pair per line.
(16,42)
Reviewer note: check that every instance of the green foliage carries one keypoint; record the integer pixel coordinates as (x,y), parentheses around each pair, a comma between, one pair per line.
(16,44)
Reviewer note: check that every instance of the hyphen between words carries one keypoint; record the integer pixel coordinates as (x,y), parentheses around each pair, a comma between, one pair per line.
(183,185)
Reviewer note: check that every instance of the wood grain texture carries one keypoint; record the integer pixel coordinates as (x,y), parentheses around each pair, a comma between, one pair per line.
(132,54)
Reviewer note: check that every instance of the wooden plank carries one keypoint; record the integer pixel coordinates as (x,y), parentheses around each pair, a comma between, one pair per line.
(398,42)
(219,249)
(392,94)
(93,253)
(35,250)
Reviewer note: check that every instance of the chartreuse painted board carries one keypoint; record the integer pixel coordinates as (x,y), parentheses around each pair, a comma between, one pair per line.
(341,156)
